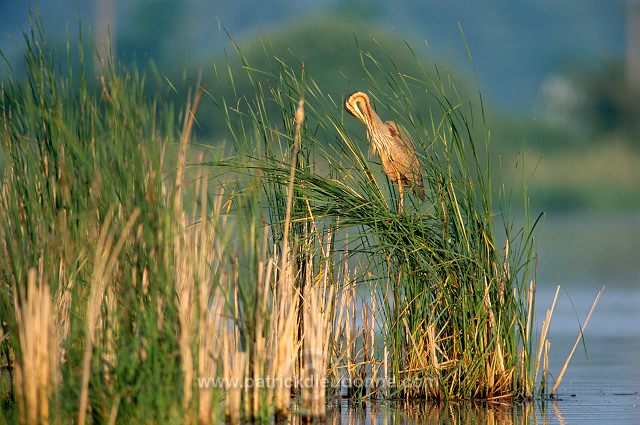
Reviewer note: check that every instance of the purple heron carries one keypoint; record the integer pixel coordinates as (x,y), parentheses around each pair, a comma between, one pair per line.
(391,143)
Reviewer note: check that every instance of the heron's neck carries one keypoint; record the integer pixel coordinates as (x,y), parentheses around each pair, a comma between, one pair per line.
(376,130)
(373,120)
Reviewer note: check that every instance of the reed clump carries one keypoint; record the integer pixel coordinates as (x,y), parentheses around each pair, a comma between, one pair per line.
(454,311)
(168,281)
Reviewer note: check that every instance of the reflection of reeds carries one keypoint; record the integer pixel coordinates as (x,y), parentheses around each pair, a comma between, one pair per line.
(456,413)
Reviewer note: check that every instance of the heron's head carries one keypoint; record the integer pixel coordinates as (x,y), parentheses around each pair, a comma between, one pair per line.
(357,104)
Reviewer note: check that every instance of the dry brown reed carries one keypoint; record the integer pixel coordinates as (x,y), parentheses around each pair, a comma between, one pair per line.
(317,307)
(185,256)
(261,347)
(208,254)
(201,282)
(575,345)
(288,299)
(544,342)
(37,367)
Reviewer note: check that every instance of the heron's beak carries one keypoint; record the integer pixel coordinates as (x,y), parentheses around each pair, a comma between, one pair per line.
(347,105)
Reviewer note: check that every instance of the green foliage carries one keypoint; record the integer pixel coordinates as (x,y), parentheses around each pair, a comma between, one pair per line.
(611,105)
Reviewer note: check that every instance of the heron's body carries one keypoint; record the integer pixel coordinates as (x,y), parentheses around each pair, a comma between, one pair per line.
(390,142)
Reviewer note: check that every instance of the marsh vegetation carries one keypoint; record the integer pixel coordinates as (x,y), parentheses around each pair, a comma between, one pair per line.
(149,277)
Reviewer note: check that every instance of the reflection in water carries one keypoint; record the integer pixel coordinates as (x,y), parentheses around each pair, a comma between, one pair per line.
(465,412)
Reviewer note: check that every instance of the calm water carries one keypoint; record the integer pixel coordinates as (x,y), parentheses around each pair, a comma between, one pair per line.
(599,387)
(602,384)
(583,253)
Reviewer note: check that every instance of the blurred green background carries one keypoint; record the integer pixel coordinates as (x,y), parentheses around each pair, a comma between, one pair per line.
(560,80)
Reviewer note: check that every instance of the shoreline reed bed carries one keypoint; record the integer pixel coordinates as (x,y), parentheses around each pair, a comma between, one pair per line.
(171,282)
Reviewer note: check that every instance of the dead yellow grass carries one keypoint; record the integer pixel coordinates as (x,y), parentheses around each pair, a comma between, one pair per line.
(37,367)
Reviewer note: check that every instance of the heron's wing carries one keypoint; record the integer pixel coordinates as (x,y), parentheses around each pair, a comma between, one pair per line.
(404,156)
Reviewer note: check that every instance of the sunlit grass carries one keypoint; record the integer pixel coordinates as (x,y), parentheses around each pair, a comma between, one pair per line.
(171,267)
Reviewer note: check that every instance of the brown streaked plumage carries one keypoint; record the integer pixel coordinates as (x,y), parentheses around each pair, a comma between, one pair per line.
(391,143)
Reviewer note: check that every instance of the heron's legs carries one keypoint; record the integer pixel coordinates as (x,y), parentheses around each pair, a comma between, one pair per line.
(400,194)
